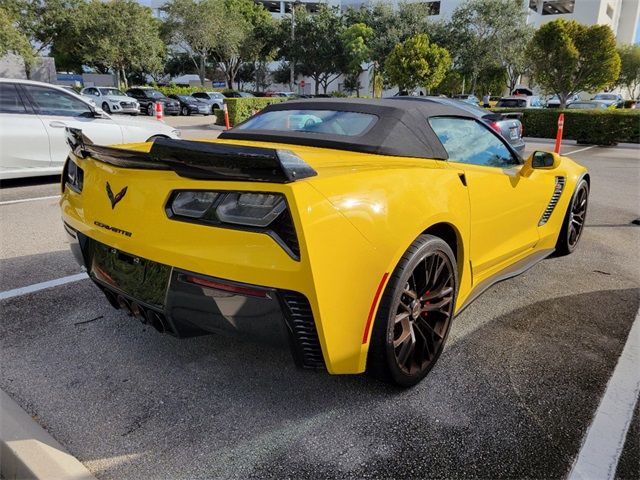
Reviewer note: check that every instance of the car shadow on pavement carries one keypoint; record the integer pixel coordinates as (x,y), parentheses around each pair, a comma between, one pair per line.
(510,399)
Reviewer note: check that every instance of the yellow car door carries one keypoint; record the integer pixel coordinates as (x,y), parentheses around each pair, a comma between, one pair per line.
(505,206)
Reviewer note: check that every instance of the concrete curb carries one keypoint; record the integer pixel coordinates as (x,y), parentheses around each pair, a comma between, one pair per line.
(27,451)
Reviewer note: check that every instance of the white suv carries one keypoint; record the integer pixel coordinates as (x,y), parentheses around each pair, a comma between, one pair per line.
(111,100)
(33,117)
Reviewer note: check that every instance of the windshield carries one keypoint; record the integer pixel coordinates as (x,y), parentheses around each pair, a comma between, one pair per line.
(111,91)
(604,96)
(186,98)
(153,94)
(349,124)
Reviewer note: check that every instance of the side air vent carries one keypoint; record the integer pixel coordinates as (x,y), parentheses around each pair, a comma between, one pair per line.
(557,191)
(302,327)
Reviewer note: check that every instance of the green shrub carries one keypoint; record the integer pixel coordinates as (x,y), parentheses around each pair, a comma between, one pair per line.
(175,90)
(219,116)
(601,127)
(242,108)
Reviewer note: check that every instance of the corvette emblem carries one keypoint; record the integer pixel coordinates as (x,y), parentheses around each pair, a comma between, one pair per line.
(114,199)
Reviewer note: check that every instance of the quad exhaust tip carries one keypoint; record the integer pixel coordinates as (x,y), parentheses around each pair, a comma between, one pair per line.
(146,316)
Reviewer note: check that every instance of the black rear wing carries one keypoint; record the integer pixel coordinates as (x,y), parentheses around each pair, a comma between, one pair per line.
(199,160)
(512,115)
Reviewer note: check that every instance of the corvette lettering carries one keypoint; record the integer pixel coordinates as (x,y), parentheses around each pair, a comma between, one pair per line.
(113,229)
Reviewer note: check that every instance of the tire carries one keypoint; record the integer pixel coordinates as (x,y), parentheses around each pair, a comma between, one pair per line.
(151,111)
(184,111)
(407,311)
(574,220)
(105,107)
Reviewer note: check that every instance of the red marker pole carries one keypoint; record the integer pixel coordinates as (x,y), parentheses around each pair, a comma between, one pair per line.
(226,116)
(159,111)
(559,134)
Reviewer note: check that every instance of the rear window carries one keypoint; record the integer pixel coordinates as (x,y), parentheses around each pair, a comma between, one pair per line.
(332,122)
(511,103)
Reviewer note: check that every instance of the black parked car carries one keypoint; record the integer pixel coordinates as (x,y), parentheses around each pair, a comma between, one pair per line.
(190,105)
(508,125)
(147,98)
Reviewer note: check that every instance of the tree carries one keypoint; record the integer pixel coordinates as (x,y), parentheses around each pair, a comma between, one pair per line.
(12,40)
(391,27)
(630,69)
(417,63)
(317,48)
(42,21)
(129,43)
(248,36)
(485,32)
(194,26)
(567,57)
(356,45)
(513,55)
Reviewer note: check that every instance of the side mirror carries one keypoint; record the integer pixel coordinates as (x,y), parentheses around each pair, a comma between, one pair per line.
(99,113)
(540,160)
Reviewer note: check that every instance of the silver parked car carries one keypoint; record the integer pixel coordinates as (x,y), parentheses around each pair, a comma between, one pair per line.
(508,125)
(215,99)
(111,100)
(469,98)
(589,105)
(520,101)
(554,102)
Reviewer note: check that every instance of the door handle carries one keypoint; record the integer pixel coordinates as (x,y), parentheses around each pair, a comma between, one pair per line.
(57,124)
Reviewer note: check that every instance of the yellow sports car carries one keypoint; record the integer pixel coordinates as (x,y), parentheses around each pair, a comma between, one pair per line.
(354,236)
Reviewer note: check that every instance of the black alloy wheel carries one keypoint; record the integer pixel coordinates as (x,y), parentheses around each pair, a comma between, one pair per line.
(415,313)
(574,220)
(185,111)
(151,111)
(105,107)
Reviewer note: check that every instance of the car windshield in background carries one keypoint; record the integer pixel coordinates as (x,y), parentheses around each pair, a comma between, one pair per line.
(605,97)
(511,103)
(111,91)
(349,124)
(154,94)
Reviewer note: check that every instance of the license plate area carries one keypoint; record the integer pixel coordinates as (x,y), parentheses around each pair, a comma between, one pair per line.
(513,133)
(135,276)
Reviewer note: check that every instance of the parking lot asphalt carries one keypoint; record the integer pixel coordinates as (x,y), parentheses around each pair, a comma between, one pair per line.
(512,396)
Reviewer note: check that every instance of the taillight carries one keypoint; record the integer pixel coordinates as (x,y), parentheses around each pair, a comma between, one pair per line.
(521,130)
(73,176)
(496,127)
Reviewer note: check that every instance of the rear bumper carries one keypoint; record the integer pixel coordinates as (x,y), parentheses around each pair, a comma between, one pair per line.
(185,304)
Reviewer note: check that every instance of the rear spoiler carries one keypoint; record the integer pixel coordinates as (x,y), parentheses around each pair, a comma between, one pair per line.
(199,160)
(513,115)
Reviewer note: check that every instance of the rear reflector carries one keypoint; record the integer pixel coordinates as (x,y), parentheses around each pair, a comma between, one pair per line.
(240,290)
(374,304)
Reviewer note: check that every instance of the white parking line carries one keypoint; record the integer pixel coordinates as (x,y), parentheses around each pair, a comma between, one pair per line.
(16,292)
(603,444)
(23,200)
(580,150)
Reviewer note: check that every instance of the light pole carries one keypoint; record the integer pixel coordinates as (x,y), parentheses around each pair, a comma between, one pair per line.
(292,63)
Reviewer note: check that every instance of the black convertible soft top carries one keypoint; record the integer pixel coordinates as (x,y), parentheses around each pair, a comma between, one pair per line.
(402,128)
